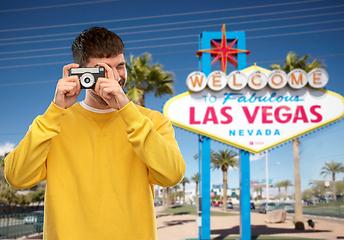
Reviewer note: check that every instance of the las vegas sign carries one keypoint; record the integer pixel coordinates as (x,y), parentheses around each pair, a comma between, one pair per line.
(255,109)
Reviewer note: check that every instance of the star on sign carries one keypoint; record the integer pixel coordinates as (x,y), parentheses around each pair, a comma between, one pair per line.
(223,52)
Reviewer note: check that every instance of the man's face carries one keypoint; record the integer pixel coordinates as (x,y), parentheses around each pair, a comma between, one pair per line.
(117,64)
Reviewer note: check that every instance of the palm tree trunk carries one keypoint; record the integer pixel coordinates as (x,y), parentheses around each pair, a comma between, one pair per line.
(142,100)
(184,193)
(334,186)
(224,203)
(286,193)
(163,198)
(298,202)
(175,196)
(168,197)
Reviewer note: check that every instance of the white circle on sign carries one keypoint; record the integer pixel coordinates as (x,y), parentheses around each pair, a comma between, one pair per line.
(317,78)
(257,80)
(196,81)
(237,80)
(297,78)
(217,80)
(277,79)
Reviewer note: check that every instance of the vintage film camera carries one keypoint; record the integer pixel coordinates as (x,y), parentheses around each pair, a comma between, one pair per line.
(88,76)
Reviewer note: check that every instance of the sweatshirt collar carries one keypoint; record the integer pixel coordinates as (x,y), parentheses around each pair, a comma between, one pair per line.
(96,110)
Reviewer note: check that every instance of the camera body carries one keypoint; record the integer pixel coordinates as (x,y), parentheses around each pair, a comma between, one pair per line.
(88,76)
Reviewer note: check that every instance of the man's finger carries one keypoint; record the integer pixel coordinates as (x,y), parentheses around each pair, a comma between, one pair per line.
(67,68)
(78,86)
(116,75)
(70,89)
(108,70)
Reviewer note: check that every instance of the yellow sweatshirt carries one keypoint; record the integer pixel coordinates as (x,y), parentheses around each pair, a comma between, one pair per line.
(99,170)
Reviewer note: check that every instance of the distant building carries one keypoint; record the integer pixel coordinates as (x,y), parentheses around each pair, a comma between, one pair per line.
(158,191)
(217,190)
(189,194)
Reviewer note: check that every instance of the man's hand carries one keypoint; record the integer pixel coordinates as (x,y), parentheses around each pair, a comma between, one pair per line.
(110,88)
(68,88)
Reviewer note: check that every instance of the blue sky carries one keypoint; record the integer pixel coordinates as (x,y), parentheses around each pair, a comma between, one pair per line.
(36,36)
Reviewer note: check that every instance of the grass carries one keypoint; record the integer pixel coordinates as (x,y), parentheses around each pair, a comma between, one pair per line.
(189,209)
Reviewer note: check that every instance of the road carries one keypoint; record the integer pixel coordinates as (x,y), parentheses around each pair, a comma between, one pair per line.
(236,208)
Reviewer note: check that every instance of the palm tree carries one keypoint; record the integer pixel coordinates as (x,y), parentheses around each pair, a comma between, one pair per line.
(297,193)
(9,197)
(259,191)
(318,187)
(144,78)
(307,194)
(332,168)
(183,182)
(211,154)
(168,197)
(195,178)
(279,185)
(180,195)
(286,184)
(164,197)
(222,160)
(293,61)
(2,179)
(176,187)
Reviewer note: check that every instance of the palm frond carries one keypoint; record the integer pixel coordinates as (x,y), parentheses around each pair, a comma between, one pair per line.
(147,78)
(134,94)
(293,61)
(224,159)
(275,66)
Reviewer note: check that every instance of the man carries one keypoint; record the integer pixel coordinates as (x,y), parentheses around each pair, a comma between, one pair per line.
(100,157)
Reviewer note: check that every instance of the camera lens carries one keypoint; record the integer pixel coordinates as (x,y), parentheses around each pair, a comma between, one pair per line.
(87,80)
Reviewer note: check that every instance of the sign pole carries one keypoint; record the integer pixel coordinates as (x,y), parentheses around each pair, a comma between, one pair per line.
(199,223)
(267,176)
(205,188)
(245,187)
(245,201)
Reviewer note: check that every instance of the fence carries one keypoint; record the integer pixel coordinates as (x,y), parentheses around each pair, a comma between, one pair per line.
(330,209)
(19,225)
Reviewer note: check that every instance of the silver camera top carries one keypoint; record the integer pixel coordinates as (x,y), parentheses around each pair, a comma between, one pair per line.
(74,71)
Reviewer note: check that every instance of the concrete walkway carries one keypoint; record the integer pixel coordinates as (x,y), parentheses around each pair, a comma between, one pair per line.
(175,227)
(181,227)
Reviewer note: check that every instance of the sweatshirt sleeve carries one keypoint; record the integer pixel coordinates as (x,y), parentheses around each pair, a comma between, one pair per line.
(25,166)
(154,143)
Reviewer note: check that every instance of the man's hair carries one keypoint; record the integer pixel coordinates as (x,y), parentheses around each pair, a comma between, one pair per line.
(96,42)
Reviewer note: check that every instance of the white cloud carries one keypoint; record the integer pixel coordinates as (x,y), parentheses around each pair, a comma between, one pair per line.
(5,148)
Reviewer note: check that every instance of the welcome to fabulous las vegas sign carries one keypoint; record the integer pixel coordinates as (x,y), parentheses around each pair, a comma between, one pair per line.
(250,119)
(253,109)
